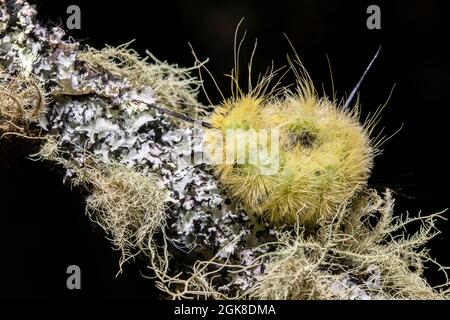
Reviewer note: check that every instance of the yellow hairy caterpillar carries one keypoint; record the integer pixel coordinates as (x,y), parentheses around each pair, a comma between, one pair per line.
(325,155)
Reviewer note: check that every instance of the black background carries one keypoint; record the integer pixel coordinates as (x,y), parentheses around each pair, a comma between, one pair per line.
(43,226)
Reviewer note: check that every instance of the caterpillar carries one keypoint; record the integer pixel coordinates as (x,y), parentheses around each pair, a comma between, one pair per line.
(325,154)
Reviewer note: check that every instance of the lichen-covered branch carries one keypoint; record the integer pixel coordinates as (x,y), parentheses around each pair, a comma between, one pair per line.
(98,116)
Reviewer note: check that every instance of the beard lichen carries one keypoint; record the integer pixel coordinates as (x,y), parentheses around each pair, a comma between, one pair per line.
(22,103)
(347,258)
(130,205)
(172,87)
(349,255)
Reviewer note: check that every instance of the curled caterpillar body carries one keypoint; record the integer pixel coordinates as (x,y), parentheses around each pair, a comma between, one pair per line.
(324,154)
